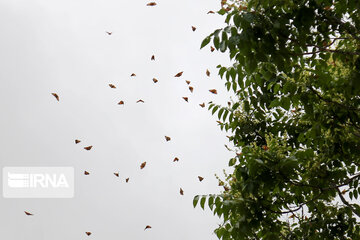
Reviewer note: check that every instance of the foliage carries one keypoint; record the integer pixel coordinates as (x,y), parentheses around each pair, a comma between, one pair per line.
(295,124)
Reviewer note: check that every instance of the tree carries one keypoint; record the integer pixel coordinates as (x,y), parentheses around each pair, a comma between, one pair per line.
(295,124)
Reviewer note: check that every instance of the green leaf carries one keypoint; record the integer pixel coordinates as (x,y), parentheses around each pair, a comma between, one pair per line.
(246,106)
(211,202)
(214,109)
(195,200)
(285,103)
(232,162)
(220,113)
(202,202)
(221,11)
(205,42)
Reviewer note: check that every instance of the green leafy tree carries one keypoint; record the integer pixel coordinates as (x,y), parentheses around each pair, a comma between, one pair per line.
(295,124)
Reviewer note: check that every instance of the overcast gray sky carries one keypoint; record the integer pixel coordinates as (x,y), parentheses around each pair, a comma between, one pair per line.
(61,46)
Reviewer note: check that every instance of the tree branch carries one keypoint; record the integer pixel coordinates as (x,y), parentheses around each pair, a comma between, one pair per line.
(347,203)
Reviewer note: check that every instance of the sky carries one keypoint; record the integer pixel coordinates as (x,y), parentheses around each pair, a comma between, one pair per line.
(62,46)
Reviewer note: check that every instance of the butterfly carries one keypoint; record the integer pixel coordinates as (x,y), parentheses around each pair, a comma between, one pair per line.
(202,105)
(181,191)
(176,159)
(121,102)
(212,48)
(88,233)
(265,147)
(151,4)
(186,99)
(226,188)
(191,88)
(147,227)
(28,214)
(77,141)
(153,57)
(211,12)
(109,33)
(200,178)
(193,28)
(127,180)
(167,138)
(86,173)
(207,72)
(188,82)
(178,74)
(88,148)
(140,100)
(213,91)
(133,75)
(116,174)
(142,165)
(112,85)
(56,96)
(155,80)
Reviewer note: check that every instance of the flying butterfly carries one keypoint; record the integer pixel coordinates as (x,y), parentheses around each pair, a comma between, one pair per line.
(186,99)
(167,138)
(202,105)
(191,88)
(56,96)
(193,28)
(109,33)
(200,178)
(86,173)
(212,48)
(133,75)
(178,74)
(88,233)
(116,174)
(112,85)
(188,82)
(153,57)
(127,180)
(121,102)
(176,159)
(212,12)
(207,72)
(155,80)
(142,165)
(88,148)
(214,91)
(147,227)
(28,214)
(140,101)
(77,141)
(151,4)
(181,191)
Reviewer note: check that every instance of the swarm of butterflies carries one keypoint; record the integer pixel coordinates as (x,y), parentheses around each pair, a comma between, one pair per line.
(122,102)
